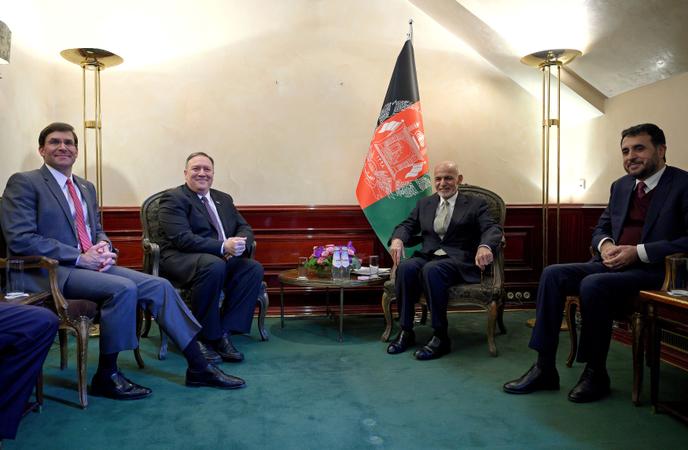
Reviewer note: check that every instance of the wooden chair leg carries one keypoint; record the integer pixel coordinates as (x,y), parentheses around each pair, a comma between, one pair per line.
(491,324)
(570,308)
(139,326)
(81,328)
(263,303)
(387,311)
(423,313)
(500,318)
(147,322)
(64,348)
(638,330)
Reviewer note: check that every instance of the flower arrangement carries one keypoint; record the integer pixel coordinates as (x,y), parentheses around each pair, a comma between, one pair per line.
(321,259)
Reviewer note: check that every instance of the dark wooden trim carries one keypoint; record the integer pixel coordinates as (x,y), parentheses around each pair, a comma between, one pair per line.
(285,232)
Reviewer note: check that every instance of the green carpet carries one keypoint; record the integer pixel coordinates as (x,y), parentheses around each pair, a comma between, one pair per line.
(307,391)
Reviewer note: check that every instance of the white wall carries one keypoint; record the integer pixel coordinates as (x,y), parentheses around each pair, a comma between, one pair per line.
(288,105)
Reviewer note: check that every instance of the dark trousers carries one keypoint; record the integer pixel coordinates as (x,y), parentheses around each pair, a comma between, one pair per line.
(602,293)
(26,333)
(240,279)
(433,277)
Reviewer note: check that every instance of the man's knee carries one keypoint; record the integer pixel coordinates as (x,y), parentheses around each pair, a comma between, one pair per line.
(214,268)
(407,268)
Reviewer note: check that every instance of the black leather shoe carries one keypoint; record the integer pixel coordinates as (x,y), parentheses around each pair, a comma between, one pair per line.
(209,354)
(434,349)
(403,341)
(213,377)
(117,387)
(227,351)
(535,379)
(592,386)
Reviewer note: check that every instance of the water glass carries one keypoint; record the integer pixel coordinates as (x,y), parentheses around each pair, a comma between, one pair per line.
(678,276)
(302,271)
(374,266)
(14,279)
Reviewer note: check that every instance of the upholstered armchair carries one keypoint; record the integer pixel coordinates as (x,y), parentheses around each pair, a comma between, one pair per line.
(488,294)
(151,264)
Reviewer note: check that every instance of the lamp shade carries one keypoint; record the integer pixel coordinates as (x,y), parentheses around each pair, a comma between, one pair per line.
(5,43)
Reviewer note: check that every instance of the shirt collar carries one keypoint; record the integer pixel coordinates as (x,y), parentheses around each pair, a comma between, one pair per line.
(59,176)
(451,200)
(652,181)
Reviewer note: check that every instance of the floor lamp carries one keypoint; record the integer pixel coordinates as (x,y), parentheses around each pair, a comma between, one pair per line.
(547,61)
(93,60)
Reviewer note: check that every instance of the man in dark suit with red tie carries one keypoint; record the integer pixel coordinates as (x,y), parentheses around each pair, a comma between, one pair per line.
(646,220)
(205,246)
(459,238)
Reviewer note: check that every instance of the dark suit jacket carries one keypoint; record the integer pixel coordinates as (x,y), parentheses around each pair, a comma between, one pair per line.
(666,225)
(187,231)
(36,220)
(471,225)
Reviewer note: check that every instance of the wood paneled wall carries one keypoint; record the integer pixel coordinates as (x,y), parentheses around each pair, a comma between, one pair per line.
(284,233)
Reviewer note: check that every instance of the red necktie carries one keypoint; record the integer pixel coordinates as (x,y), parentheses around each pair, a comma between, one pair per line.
(213,218)
(84,240)
(640,190)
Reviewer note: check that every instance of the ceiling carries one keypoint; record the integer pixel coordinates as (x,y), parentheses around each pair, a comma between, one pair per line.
(626,44)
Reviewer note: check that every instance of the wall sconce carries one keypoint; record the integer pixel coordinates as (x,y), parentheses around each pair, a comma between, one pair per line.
(546,60)
(93,60)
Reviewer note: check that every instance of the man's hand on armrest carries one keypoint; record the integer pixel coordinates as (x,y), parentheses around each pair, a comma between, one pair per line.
(396,250)
(483,257)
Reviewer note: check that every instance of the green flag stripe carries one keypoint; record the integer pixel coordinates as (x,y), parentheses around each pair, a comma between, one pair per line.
(388,212)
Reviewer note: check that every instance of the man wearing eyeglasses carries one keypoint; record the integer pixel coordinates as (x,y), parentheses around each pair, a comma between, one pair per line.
(51,212)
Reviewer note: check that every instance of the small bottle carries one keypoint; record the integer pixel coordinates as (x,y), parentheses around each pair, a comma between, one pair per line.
(346,267)
(336,264)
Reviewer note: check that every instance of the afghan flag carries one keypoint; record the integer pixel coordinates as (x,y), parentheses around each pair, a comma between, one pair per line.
(395,174)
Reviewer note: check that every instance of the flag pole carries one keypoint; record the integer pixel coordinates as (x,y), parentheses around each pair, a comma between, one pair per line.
(409,35)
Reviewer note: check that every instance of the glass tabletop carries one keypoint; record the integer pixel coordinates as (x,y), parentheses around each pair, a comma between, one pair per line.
(291,277)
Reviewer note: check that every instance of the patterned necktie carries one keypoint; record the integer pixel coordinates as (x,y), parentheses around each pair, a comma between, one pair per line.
(213,218)
(640,190)
(81,232)
(442,219)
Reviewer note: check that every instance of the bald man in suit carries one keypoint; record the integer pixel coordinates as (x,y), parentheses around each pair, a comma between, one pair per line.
(459,239)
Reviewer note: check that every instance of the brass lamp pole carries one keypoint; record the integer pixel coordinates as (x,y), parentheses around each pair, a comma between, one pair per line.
(93,60)
(546,60)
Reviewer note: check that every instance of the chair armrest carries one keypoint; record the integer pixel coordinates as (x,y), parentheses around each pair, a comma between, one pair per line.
(50,265)
(151,257)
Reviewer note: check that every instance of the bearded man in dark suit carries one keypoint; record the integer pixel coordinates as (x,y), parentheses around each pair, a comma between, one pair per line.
(205,246)
(459,238)
(646,219)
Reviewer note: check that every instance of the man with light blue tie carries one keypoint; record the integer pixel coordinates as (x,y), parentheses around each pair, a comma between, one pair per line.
(51,212)
(459,238)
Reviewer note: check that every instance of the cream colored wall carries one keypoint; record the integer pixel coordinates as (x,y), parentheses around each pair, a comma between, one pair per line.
(593,151)
(288,111)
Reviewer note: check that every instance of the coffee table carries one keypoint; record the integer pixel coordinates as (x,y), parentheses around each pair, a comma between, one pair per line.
(290,277)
